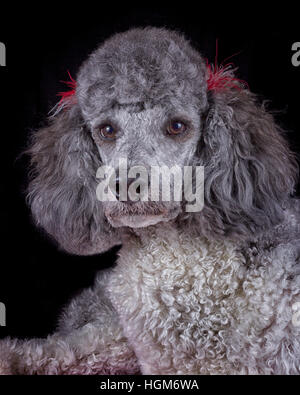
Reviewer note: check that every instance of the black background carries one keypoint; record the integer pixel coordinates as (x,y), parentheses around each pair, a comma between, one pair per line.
(36,278)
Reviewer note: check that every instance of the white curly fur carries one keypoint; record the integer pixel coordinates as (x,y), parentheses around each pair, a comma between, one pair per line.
(194,306)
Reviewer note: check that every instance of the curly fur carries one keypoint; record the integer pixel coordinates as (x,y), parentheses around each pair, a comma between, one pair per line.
(197,293)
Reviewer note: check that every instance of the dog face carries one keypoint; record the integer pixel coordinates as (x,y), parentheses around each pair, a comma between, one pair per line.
(142,96)
(148,97)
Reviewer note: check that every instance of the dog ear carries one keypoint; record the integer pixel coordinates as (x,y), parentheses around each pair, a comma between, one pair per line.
(250,172)
(62,189)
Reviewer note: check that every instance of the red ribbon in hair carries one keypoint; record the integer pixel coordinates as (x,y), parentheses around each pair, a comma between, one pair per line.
(221,77)
(66,96)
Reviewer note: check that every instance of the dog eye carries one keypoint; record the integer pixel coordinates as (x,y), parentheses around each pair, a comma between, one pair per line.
(107,132)
(176,127)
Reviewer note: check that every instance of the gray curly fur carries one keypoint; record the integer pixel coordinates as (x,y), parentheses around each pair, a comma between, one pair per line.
(248,229)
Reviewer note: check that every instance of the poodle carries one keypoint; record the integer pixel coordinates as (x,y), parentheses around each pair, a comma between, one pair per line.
(206,292)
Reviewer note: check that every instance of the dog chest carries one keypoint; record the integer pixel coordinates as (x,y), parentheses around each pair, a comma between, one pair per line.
(174,295)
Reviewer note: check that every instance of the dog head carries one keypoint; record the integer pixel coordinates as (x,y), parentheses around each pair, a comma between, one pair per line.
(147,97)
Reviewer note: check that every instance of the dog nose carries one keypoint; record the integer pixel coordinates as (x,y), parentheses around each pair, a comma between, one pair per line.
(119,184)
(123,193)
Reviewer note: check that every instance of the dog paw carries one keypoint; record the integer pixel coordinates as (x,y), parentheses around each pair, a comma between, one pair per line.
(7,347)
(5,369)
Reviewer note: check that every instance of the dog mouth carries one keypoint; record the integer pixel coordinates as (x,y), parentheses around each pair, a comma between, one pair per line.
(139,215)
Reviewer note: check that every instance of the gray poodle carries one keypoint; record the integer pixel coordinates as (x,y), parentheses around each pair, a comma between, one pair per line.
(208,292)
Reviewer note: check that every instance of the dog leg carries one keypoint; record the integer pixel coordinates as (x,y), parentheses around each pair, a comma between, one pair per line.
(89,340)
